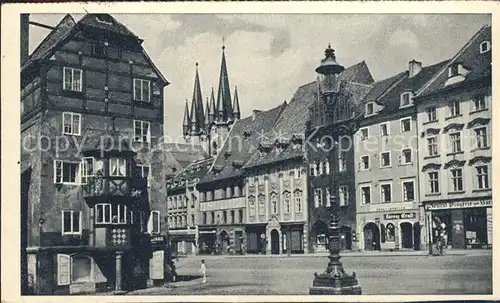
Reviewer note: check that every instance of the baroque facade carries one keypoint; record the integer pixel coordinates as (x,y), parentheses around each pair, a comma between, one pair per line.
(92,202)
(454,111)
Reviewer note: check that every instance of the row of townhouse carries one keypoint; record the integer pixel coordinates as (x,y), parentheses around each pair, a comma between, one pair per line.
(375,150)
(423,154)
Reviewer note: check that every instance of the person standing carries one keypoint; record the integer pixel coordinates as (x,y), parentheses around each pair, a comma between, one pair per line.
(203,270)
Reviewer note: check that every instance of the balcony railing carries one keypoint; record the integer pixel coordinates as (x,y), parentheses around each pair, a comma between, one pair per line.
(114,186)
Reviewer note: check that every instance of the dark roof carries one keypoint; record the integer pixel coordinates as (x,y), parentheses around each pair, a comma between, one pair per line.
(109,24)
(195,170)
(181,155)
(243,139)
(380,87)
(67,26)
(391,99)
(478,64)
(51,41)
(358,73)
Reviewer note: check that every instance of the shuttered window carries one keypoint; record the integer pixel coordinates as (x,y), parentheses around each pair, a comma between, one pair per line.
(63,269)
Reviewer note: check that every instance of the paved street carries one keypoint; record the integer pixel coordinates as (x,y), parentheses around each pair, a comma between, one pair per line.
(264,275)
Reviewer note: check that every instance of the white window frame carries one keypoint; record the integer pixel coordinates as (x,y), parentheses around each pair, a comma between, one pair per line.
(363,138)
(403,159)
(318,192)
(71,232)
(327,197)
(479,99)
(429,182)
(287,207)
(382,193)
(435,110)
(71,116)
(373,108)
(435,144)
(141,82)
(403,190)
(485,181)
(141,167)
(476,137)
(274,204)
(140,137)
(401,124)
(362,162)
(342,161)
(452,142)
(488,47)
(454,111)
(62,163)
(151,228)
(87,169)
(381,158)
(453,178)
(119,163)
(363,200)
(343,195)
(73,86)
(401,98)
(104,206)
(297,199)
(387,129)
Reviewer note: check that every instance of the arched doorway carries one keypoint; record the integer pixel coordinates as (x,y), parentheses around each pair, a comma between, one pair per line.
(371,234)
(416,236)
(275,242)
(224,242)
(319,236)
(406,235)
(345,238)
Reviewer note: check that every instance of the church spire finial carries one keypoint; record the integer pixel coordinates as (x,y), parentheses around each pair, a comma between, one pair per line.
(223,45)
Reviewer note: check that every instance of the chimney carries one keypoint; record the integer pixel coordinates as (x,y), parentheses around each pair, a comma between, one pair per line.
(414,67)
(254,114)
(25,37)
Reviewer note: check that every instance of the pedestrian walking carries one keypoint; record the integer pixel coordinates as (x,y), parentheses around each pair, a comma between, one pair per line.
(203,270)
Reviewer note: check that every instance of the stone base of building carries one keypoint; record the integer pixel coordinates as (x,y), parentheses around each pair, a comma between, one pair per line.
(319,290)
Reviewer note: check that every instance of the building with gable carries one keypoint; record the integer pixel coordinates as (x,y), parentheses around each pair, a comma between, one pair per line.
(184,207)
(386,156)
(91,220)
(454,111)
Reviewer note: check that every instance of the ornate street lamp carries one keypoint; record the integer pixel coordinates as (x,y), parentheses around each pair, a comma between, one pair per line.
(334,281)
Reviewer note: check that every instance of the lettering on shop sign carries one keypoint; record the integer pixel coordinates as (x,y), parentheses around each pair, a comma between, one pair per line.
(157,239)
(400,216)
(458,204)
(390,208)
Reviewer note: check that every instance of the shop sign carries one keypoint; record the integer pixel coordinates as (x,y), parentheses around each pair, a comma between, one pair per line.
(390,207)
(158,240)
(400,216)
(458,204)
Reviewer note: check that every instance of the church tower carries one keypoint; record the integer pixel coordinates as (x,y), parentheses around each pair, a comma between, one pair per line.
(210,127)
(224,114)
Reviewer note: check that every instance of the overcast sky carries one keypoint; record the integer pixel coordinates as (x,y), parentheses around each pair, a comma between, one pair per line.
(269,56)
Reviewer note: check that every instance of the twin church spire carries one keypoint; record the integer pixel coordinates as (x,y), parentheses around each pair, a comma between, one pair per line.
(198,120)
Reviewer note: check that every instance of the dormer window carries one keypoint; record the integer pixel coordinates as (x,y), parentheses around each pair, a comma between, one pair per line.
(484,47)
(369,109)
(406,99)
(457,70)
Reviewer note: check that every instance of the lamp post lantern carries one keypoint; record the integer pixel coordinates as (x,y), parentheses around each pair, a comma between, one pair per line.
(334,281)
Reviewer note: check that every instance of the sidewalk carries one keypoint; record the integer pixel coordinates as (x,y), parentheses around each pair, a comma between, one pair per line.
(400,253)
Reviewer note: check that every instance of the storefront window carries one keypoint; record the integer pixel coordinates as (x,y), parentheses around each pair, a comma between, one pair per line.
(390,233)
(475,224)
(81,268)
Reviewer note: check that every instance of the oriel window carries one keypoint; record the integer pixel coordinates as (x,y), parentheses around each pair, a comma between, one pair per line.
(117,167)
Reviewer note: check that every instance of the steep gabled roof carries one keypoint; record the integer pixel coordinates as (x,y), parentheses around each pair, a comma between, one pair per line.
(294,117)
(391,99)
(195,170)
(181,155)
(67,27)
(243,139)
(380,87)
(478,64)
(51,41)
